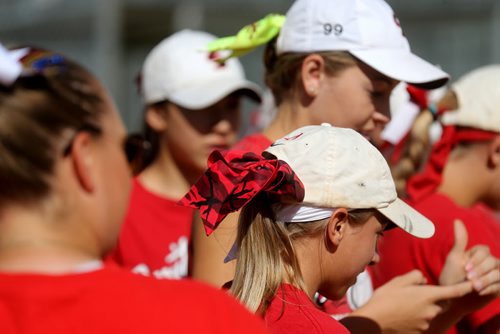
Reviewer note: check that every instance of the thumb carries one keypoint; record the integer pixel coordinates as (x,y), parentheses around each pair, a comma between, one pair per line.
(461,237)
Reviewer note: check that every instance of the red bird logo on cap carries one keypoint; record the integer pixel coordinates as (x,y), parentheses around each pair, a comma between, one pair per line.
(216,57)
(294,137)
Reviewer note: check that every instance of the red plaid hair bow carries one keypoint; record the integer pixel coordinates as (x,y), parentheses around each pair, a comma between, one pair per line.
(233,178)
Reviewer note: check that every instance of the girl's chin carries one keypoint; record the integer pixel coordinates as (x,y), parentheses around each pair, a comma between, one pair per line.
(340,292)
(336,295)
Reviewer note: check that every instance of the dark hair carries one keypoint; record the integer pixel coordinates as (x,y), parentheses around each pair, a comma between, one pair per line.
(36,112)
(150,141)
(283,71)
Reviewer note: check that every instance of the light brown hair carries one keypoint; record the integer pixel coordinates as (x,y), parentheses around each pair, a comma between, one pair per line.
(282,72)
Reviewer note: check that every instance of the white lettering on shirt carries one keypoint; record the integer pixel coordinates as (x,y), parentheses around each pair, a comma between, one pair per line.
(176,262)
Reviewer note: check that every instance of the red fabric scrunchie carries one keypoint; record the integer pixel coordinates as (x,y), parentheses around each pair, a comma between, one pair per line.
(233,178)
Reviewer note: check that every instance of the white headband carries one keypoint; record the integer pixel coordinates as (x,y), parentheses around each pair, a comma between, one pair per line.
(10,67)
(299,213)
(291,213)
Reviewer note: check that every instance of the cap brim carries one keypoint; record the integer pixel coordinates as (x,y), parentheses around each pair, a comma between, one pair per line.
(407,218)
(200,95)
(403,66)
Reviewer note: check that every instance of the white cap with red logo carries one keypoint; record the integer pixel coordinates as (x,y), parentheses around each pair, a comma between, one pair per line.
(367,29)
(180,70)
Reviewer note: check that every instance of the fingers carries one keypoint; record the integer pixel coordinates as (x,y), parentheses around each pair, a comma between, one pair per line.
(476,255)
(483,270)
(487,265)
(432,311)
(492,289)
(488,281)
(461,236)
(438,293)
(410,278)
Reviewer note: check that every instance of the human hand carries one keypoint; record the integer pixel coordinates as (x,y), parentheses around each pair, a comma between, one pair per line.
(407,305)
(454,266)
(476,265)
(483,270)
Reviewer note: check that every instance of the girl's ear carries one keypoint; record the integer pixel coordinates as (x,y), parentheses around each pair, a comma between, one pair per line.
(494,153)
(155,117)
(83,160)
(312,71)
(337,227)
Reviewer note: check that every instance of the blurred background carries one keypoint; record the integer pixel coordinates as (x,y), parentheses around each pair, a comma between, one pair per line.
(112,37)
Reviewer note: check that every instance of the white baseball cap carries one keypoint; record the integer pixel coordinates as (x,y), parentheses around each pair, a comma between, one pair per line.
(478,94)
(367,29)
(340,168)
(179,69)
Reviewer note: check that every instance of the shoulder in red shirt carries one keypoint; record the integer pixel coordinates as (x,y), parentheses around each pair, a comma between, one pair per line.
(155,237)
(112,300)
(291,311)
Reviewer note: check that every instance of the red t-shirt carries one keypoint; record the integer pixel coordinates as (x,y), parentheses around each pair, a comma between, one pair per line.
(291,311)
(155,237)
(401,252)
(255,143)
(112,300)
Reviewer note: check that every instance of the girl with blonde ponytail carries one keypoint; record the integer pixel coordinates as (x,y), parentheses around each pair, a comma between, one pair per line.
(312,209)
